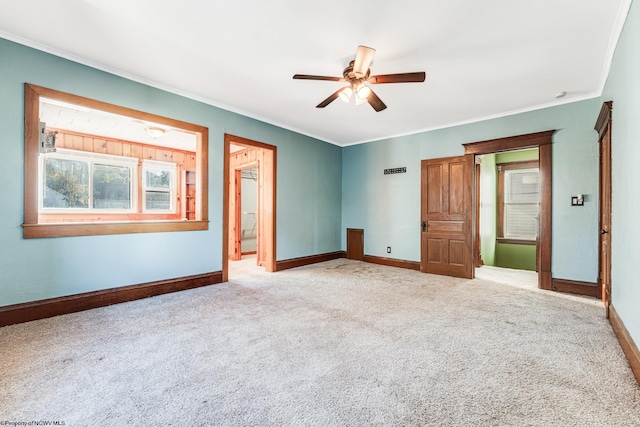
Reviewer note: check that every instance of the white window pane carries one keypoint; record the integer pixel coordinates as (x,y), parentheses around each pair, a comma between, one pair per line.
(158,200)
(111,187)
(520,221)
(521,186)
(158,179)
(66,184)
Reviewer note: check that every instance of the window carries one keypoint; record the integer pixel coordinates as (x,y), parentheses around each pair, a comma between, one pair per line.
(518,202)
(159,186)
(93,180)
(80,182)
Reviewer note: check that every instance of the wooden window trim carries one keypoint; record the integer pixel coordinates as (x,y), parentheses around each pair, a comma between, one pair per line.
(508,241)
(502,167)
(31,227)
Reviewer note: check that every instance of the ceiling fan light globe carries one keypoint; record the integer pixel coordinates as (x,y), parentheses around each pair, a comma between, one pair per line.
(345,94)
(363,91)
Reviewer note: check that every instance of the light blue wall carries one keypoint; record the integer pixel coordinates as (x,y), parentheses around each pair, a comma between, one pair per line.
(308,190)
(388,206)
(623,88)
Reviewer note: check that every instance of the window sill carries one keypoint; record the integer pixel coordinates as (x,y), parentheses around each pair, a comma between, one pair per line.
(34,231)
(515,241)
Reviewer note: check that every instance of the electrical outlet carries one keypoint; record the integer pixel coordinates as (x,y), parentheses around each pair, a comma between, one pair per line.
(388,249)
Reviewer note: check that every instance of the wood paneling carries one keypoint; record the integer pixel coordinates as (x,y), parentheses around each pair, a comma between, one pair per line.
(629,347)
(445,226)
(457,252)
(42,309)
(308,260)
(434,193)
(355,243)
(575,287)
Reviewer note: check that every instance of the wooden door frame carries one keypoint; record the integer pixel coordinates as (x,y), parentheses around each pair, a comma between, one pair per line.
(238,203)
(270,264)
(237,173)
(602,126)
(542,141)
(477,256)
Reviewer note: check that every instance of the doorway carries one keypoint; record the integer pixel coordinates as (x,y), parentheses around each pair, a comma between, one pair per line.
(247,202)
(244,156)
(542,142)
(507,209)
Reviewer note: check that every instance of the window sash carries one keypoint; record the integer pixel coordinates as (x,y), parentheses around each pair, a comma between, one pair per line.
(92,162)
(158,186)
(519,201)
(520,221)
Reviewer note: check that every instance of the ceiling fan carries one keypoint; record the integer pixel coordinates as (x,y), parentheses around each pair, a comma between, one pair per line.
(357,74)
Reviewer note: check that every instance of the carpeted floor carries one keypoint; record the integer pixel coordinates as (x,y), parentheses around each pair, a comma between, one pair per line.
(336,343)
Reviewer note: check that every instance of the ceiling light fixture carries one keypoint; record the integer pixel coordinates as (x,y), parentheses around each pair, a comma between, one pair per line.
(345,94)
(154,131)
(363,91)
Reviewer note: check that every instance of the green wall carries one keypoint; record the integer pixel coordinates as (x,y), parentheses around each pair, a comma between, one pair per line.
(308,192)
(488,209)
(521,257)
(517,156)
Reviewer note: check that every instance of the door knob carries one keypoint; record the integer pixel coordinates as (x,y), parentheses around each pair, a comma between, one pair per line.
(604,232)
(424,225)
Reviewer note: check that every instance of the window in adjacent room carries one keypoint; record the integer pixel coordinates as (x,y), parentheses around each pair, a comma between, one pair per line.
(159,186)
(97,168)
(79,182)
(518,202)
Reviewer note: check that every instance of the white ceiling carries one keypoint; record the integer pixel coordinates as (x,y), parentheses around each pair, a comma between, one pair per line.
(61,115)
(482,58)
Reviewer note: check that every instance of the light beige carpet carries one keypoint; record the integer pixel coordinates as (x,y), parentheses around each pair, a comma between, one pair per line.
(336,343)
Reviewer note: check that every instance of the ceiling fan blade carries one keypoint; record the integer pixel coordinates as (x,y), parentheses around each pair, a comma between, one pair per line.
(364,56)
(376,102)
(310,77)
(418,77)
(330,99)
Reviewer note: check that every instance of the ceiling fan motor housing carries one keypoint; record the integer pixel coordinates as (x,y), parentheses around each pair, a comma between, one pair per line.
(353,77)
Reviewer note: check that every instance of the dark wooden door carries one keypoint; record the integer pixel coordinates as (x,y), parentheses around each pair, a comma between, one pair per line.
(447,216)
(355,243)
(603,126)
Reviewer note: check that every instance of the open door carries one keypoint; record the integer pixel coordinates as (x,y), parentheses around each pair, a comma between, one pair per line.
(447,216)
(603,126)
